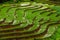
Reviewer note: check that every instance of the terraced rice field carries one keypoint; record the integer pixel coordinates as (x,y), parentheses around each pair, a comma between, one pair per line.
(27,21)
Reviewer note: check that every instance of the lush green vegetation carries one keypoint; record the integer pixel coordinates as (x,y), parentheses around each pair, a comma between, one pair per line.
(31,21)
(55,2)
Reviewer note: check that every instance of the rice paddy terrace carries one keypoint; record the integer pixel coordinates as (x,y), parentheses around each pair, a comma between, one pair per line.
(26,21)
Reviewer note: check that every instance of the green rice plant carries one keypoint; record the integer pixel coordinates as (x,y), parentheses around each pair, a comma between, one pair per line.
(29,21)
